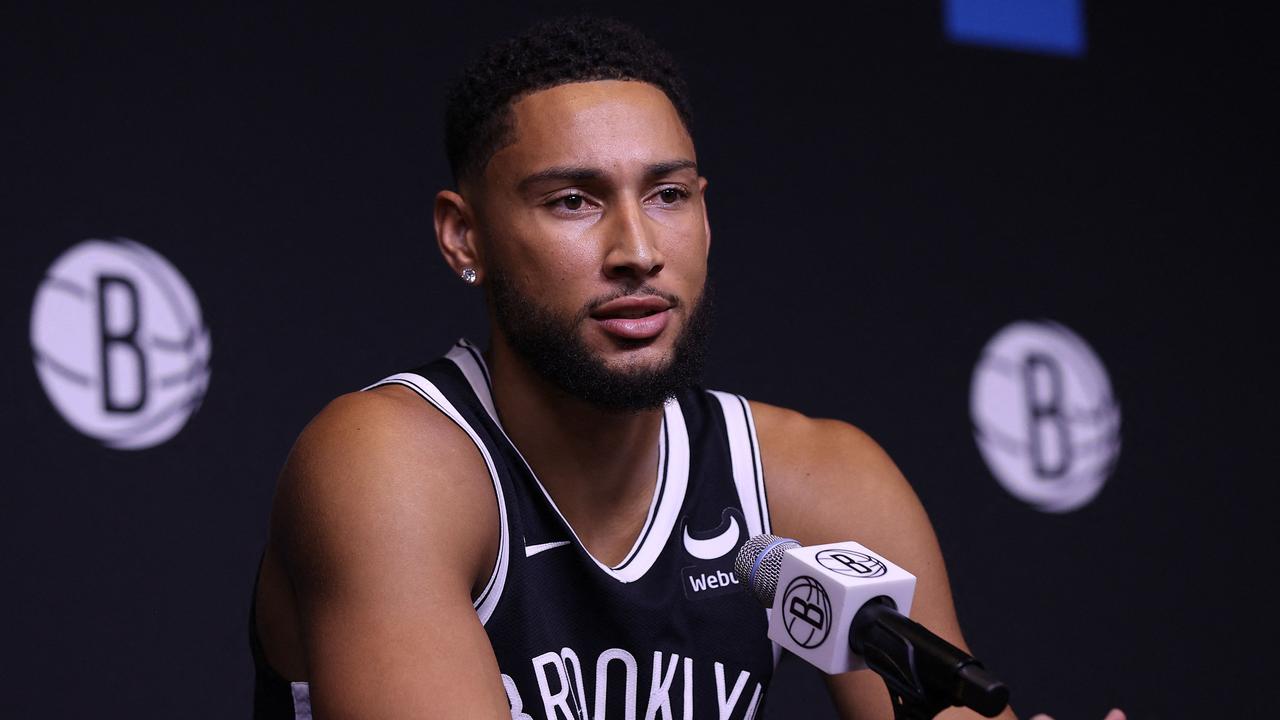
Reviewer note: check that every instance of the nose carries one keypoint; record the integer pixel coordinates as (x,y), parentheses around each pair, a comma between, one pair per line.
(633,251)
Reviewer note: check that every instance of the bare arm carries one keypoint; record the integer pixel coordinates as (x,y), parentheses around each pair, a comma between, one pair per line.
(385,521)
(827,481)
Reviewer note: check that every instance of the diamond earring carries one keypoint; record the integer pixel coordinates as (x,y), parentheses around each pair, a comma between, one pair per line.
(469,276)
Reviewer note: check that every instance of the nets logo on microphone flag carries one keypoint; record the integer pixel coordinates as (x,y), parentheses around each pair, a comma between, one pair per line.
(852,563)
(808,611)
(119,343)
(1044,417)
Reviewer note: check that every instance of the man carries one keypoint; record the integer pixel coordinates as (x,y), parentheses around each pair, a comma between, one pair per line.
(544,530)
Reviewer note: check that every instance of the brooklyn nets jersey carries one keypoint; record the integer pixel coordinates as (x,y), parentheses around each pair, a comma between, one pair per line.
(667,632)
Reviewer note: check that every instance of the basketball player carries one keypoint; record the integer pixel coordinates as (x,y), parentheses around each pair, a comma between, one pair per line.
(545,528)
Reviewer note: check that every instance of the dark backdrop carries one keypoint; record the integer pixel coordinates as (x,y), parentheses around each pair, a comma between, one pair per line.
(883,201)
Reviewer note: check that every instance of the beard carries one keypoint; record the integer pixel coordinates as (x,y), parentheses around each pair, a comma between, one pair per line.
(553,346)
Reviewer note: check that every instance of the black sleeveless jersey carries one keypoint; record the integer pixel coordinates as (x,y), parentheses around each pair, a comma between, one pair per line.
(667,632)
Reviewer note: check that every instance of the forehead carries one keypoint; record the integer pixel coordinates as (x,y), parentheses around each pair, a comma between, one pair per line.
(608,124)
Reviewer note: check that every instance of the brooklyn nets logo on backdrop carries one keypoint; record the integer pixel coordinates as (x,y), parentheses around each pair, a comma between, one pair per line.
(1044,417)
(119,343)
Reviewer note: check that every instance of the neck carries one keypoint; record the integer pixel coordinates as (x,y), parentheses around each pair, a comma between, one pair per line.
(598,465)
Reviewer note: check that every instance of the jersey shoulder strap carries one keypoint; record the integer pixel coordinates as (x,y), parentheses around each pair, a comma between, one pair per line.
(465,418)
(744,456)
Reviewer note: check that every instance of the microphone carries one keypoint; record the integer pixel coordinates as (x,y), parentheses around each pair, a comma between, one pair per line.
(840,607)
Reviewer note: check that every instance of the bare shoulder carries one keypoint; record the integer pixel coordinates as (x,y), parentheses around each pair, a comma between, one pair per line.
(827,481)
(827,478)
(375,474)
(384,528)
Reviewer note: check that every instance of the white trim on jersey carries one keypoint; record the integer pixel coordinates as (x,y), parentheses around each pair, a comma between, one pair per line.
(488,598)
(469,360)
(669,490)
(654,501)
(301,700)
(668,498)
(744,451)
(748,472)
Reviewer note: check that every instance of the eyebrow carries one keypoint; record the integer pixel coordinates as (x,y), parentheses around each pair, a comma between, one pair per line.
(579,174)
(668,167)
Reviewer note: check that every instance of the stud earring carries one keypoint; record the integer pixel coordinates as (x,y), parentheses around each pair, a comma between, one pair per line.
(469,276)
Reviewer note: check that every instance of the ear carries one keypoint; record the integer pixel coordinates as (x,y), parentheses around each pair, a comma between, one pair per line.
(455,233)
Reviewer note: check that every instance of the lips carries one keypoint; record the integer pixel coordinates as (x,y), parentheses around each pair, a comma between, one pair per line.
(634,317)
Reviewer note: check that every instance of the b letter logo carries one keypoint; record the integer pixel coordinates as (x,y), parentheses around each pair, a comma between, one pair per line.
(1044,417)
(808,612)
(851,563)
(119,343)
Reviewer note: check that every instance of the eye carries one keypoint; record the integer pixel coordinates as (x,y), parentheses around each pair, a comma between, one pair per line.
(569,204)
(672,195)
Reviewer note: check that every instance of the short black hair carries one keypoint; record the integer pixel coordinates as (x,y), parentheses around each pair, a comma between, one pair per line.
(550,53)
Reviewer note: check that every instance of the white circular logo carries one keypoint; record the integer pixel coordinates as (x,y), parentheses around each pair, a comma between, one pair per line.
(119,343)
(1043,415)
(851,563)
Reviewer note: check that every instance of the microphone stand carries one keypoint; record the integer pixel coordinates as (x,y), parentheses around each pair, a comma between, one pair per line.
(924,673)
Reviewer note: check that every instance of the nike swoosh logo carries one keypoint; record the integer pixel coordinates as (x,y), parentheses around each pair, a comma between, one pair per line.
(715,547)
(531,550)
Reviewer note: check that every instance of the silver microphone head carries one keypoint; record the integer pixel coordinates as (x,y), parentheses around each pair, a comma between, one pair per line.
(759,562)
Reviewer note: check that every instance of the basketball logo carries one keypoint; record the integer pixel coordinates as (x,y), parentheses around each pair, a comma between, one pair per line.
(119,343)
(808,612)
(1044,417)
(851,563)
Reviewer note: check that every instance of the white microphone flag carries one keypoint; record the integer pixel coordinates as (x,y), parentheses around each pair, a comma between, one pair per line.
(820,589)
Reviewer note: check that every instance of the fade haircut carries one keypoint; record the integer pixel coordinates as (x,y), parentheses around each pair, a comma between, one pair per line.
(478,117)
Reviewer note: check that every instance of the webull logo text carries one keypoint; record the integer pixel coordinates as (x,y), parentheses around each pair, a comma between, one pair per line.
(704,582)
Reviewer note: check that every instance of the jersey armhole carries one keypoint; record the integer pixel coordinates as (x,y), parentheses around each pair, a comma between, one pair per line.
(487,600)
